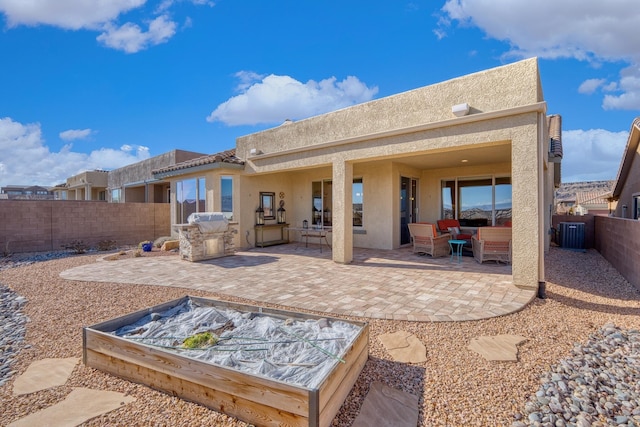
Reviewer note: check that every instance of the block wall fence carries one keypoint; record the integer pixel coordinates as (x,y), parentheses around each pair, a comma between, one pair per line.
(618,241)
(47,225)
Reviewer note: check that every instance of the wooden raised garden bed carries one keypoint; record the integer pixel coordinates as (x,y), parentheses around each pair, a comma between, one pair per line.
(253,398)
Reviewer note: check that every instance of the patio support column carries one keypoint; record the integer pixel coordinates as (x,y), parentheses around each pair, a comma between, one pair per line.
(342,239)
(527,221)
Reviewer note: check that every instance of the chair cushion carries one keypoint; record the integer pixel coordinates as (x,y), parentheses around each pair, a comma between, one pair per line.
(454,230)
(444,224)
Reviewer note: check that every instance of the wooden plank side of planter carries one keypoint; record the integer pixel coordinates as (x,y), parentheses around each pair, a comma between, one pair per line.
(233,405)
(254,399)
(257,389)
(336,387)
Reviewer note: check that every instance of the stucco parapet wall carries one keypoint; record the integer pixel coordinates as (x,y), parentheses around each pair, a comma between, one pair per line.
(469,125)
(499,89)
(95,178)
(141,172)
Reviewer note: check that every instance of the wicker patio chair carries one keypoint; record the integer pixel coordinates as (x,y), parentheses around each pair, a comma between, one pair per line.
(492,244)
(425,240)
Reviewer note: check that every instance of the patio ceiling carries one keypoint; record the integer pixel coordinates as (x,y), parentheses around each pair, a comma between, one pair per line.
(449,159)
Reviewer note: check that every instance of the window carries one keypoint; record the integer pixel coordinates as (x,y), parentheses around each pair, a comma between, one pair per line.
(116,195)
(477,201)
(102,195)
(636,206)
(357,202)
(226,196)
(322,192)
(190,198)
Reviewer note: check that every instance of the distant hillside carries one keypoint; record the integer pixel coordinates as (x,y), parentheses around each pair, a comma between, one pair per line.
(569,189)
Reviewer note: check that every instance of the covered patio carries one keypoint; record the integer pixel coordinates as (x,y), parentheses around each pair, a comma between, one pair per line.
(379,284)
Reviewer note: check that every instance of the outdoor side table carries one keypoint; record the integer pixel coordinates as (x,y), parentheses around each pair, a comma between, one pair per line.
(456,248)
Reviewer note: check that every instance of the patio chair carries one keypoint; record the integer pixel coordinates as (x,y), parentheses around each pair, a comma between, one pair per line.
(452,226)
(492,244)
(426,240)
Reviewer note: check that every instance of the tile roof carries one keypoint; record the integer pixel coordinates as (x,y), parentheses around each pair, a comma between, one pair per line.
(228,157)
(592,197)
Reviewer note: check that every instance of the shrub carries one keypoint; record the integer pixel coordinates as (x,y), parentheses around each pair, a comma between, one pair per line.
(160,241)
(106,245)
(77,246)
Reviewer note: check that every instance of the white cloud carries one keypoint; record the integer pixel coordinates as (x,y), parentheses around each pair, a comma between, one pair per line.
(273,99)
(98,15)
(591,85)
(591,31)
(73,134)
(166,4)
(592,155)
(130,38)
(630,86)
(68,14)
(27,160)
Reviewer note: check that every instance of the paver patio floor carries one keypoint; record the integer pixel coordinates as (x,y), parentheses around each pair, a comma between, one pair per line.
(393,284)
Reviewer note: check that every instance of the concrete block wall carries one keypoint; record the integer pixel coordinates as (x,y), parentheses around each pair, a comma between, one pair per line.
(47,225)
(618,241)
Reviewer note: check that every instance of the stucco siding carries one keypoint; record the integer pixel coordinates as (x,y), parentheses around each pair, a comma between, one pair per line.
(142,171)
(500,88)
(631,187)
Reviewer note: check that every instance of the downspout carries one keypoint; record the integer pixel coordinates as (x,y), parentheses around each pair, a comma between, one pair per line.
(541,209)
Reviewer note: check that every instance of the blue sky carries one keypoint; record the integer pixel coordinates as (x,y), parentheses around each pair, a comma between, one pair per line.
(88,84)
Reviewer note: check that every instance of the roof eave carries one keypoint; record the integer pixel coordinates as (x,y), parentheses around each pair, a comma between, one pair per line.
(199,168)
(627,158)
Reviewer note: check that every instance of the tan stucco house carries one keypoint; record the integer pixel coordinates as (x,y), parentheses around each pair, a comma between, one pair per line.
(88,185)
(479,147)
(627,188)
(135,183)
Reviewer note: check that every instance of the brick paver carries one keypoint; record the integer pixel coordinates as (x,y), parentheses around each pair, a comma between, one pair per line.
(393,284)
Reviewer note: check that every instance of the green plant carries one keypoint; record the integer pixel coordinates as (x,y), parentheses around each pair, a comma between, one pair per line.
(200,340)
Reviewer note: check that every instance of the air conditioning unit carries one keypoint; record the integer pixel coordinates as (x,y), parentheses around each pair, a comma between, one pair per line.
(572,236)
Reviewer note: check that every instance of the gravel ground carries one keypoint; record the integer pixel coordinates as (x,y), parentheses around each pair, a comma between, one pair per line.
(456,387)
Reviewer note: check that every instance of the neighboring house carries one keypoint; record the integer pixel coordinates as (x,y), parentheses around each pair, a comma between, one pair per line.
(25,192)
(566,205)
(580,198)
(627,188)
(593,203)
(479,147)
(89,185)
(135,183)
(205,184)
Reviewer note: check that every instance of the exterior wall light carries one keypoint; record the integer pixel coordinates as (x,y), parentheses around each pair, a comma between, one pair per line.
(460,110)
(281,213)
(259,216)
